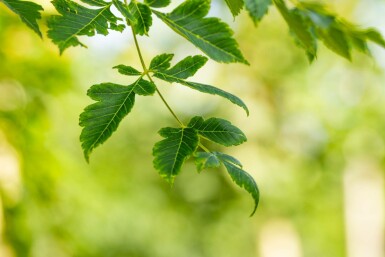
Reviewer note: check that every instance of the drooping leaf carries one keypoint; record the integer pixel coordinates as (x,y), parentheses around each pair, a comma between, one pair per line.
(142,17)
(170,153)
(76,20)
(218,130)
(125,11)
(157,3)
(161,62)
(235,6)
(205,160)
(202,88)
(127,70)
(101,119)
(300,27)
(244,180)
(28,12)
(257,9)
(210,35)
(186,67)
(335,39)
(375,36)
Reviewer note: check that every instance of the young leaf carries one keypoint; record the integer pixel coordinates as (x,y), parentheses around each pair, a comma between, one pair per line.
(218,130)
(127,70)
(101,119)
(157,3)
(161,62)
(28,12)
(76,20)
(211,35)
(205,160)
(142,17)
(202,88)
(186,67)
(257,9)
(300,27)
(170,153)
(235,6)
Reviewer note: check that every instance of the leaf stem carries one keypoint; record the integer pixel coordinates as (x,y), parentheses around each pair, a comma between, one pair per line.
(145,71)
(204,148)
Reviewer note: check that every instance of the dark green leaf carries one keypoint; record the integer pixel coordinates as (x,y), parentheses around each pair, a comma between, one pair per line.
(186,67)
(161,62)
(28,12)
(99,3)
(125,11)
(144,87)
(157,3)
(335,39)
(235,6)
(101,119)
(257,9)
(203,88)
(76,20)
(218,130)
(205,160)
(211,35)
(170,153)
(127,70)
(142,16)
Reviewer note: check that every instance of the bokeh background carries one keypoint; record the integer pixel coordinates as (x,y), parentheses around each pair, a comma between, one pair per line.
(316,147)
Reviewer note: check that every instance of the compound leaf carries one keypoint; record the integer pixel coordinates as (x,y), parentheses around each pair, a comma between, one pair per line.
(235,6)
(101,119)
(142,17)
(210,35)
(127,70)
(218,130)
(28,12)
(170,153)
(257,9)
(76,20)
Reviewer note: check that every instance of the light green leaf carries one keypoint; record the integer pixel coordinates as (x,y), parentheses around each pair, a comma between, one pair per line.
(235,6)
(28,12)
(205,160)
(244,180)
(161,62)
(76,20)
(210,35)
(170,153)
(301,28)
(218,130)
(127,70)
(186,67)
(142,16)
(101,119)
(203,88)
(125,11)
(257,9)
(157,3)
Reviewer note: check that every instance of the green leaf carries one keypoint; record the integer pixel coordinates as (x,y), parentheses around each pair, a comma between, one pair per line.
(76,20)
(235,6)
(301,28)
(101,119)
(375,36)
(205,160)
(218,130)
(28,12)
(203,88)
(144,88)
(157,3)
(186,67)
(125,11)
(336,40)
(127,70)
(142,16)
(161,62)
(257,9)
(170,153)
(244,180)
(210,35)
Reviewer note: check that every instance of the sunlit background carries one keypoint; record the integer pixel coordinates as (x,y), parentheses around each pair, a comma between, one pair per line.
(316,147)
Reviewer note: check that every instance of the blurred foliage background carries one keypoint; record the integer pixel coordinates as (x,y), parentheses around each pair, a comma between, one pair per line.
(315,147)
